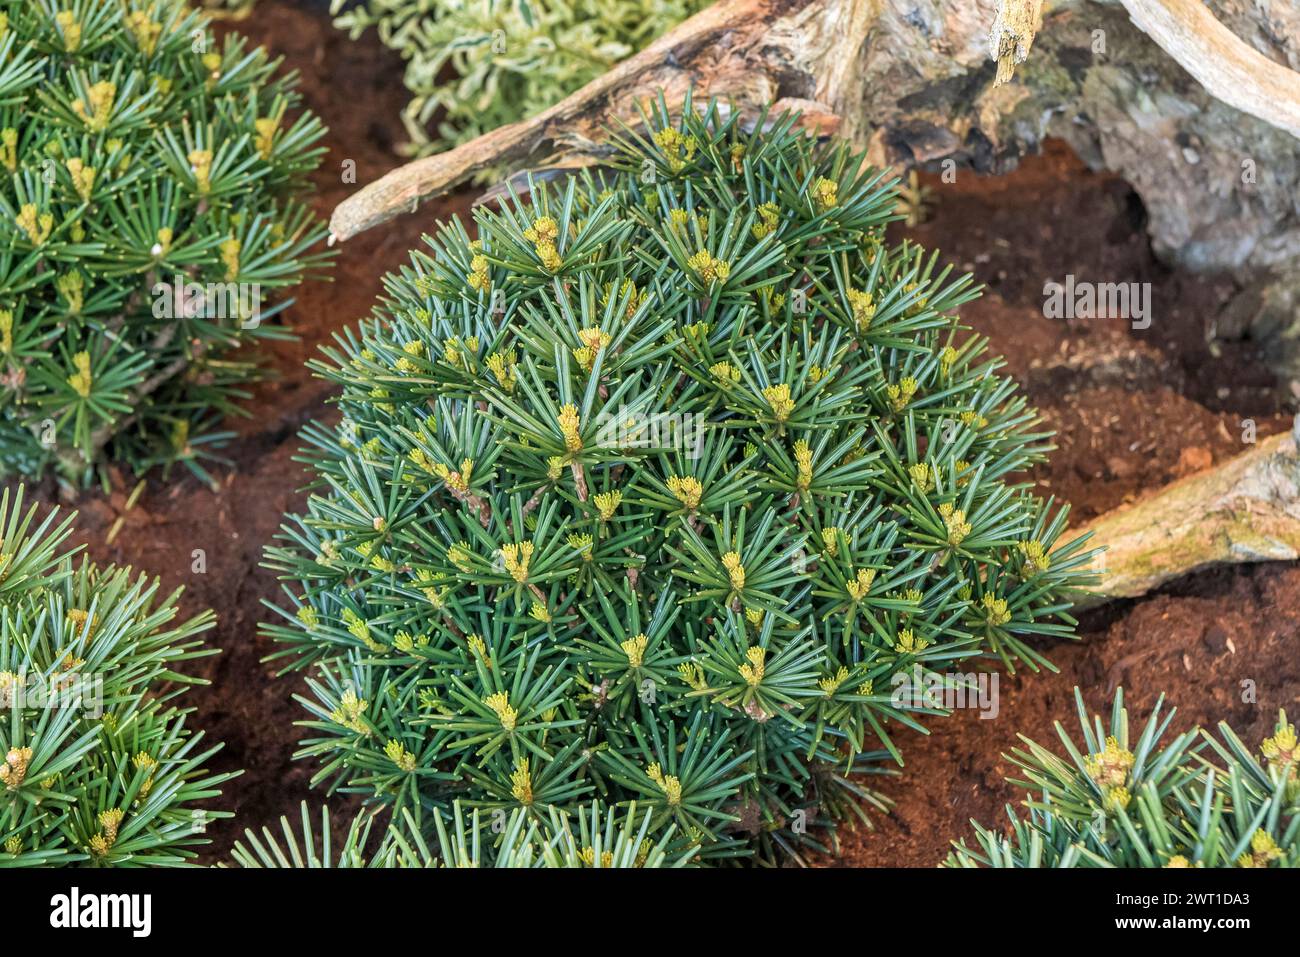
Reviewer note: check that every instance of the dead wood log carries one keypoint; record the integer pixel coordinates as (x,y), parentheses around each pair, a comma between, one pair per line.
(1245,510)
(860,64)
(750,52)
(1221,62)
(912,82)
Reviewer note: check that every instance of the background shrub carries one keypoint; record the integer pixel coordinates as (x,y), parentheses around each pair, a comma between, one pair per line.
(475,65)
(136,149)
(99,768)
(1120,801)
(655,490)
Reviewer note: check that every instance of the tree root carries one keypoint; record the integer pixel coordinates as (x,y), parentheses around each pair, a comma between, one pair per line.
(1245,510)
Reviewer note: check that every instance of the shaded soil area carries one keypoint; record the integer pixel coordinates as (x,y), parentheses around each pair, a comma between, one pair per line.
(1133,410)
(1196,644)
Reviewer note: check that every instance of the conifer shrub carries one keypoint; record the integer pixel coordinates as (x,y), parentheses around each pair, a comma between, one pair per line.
(149,203)
(1119,800)
(655,490)
(475,65)
(98,767)
(600,838)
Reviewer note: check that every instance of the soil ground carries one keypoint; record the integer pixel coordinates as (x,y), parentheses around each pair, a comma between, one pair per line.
(1132,409)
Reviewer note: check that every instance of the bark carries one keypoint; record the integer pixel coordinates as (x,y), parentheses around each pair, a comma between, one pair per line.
(913,80)
(1228,68)
(1246,510)
(750,52)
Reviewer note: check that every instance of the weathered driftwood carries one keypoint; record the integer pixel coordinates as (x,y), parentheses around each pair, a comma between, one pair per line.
(1229,69)
(866,62)
(1014,28)
(748,51)
(1245,510)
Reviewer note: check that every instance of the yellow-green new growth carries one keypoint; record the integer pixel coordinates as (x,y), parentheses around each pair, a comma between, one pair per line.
(500,704)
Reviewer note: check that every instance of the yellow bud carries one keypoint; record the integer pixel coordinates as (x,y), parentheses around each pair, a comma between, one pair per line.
(9,148)
(500,703)
(778,398)
(516,559)
(860,584)
(36,226)
(825,193)
(70,29)
(569,424)
(735,570)
(687,490)
(230,257)
(81,380)
(634,648)
(521,782)
(803,459)
(201,167)
(607,503)
(265,139)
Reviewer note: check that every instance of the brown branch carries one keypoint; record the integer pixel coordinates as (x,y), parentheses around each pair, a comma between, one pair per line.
(476,504)
(744,51)
(1245,510)
(579,480)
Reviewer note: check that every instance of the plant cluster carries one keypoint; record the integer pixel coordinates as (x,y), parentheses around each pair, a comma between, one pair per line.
(98,766)
(148,206)
(1195,801)
(656,490)
(476,65)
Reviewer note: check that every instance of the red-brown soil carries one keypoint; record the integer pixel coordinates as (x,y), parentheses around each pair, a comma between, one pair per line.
(1133,410)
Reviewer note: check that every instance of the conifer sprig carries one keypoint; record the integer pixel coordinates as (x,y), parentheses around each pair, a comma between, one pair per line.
(1117,801)
(593,837)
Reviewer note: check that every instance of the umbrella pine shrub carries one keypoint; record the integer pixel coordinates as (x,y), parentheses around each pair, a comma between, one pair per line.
(655,489)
